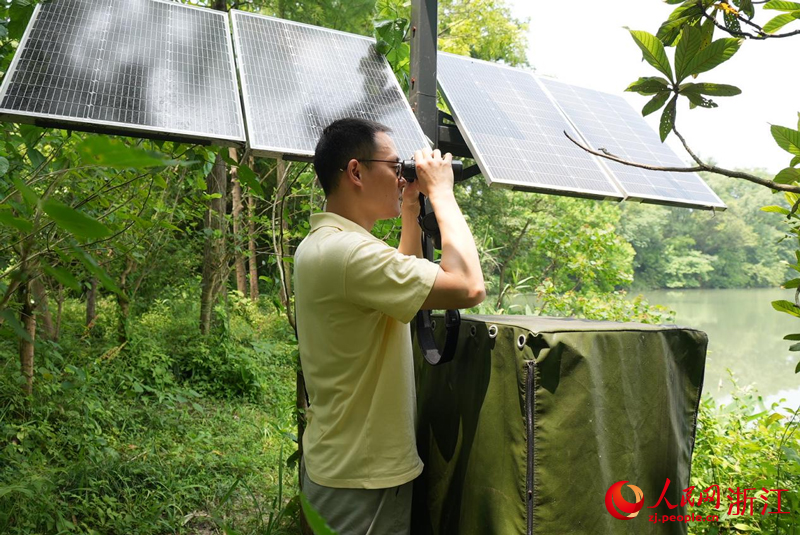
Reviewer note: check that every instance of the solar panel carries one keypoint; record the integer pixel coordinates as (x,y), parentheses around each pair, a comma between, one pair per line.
(296,79)
(147,67)
(515,132)
(608,121)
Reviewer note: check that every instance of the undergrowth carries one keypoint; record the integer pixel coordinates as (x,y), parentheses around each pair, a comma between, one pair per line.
(169,432)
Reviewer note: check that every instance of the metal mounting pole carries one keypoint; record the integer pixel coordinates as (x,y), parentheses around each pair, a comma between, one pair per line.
(422,96)
(422,90)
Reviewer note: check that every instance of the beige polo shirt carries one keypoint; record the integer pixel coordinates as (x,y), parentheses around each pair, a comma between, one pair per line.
(355,296)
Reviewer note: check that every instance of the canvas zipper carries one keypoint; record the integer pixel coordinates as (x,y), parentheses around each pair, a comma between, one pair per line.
(529,421)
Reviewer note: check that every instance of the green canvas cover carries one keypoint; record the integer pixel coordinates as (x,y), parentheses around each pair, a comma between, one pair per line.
(525,432)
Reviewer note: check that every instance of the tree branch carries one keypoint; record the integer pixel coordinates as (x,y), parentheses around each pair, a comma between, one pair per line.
(702,166)
(761,36)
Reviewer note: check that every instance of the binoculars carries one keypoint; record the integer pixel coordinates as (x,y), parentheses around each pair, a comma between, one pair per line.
(410,170)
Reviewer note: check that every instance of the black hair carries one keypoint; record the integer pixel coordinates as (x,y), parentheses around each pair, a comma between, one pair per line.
(340,142)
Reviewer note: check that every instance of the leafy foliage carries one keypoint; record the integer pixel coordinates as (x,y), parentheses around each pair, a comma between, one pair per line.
(742,444)
(678,248)
(128,439)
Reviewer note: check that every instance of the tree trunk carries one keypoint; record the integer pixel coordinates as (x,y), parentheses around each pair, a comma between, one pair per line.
(238,242)
(26,346)
(43,307)
(91,304)
(59,310)
(214,257)
(251,246)
(123,301)
(279,236)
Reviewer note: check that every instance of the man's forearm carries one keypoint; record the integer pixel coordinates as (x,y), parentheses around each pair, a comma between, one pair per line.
(459,253)
(410,234)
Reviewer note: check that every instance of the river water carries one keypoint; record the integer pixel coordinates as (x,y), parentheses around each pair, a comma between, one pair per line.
(745,336)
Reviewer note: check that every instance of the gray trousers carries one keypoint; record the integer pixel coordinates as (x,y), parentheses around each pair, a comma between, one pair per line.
(361,511)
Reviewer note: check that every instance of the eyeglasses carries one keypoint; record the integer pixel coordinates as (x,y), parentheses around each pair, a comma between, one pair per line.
(398,166)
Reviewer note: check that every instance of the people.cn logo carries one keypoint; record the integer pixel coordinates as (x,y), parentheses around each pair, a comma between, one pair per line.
(621,508)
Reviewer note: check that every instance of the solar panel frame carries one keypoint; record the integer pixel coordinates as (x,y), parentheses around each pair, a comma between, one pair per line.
(278,150)
(121,128)
(619,150)
(613,193)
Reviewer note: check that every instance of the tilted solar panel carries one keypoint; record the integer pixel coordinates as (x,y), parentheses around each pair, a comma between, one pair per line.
(296,79)
(146,67)
(515,132)
(608,121)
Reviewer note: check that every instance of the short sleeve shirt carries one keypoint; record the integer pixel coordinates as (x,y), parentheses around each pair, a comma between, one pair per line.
(355,296)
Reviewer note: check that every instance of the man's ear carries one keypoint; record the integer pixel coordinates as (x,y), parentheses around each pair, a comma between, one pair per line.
(353,171)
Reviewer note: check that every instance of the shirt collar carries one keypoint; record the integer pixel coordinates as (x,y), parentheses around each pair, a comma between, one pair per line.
(329,219)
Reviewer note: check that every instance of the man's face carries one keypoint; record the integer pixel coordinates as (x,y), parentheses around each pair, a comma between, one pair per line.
(382,188)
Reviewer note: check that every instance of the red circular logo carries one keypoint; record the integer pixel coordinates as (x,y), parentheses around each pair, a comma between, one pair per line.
(616,503)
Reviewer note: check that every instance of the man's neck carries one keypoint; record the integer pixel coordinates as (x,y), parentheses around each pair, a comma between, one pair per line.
(348,211)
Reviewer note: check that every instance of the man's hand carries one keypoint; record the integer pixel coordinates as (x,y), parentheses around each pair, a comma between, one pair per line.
(434,172)
(459,283)
(410,196)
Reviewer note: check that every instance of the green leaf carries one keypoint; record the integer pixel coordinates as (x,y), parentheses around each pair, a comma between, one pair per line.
(668,118)
(788,176)
(73,221)
(787,139)
(714,54)
(775,209)
(655,103)
(63,276)
(746,6)
(792,337)
(248,177)
(227,159)
(795,347)
(36,158)
(315,521)
(15,222)
(782,6)
(707,32)
(649,85)
(732,22)
(18,14)
(688,47)
(380,24)
(794,283)
(91,264)
(3,166)
(780,21)
(11,319)
(797,368)
(699,100)
(714,90)
(27,193)
(745,527)
(382,47)
(687,13)
(795,161)
(110,152)
(787,307)
(652,51)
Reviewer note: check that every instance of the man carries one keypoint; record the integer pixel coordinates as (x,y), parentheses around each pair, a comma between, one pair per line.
(355,296)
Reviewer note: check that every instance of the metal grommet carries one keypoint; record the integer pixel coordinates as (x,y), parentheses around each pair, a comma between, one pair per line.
(433,325)
(521,341)
(473,331)
(492,331)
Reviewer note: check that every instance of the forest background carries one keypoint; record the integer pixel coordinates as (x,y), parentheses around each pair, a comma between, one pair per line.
(149,365)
